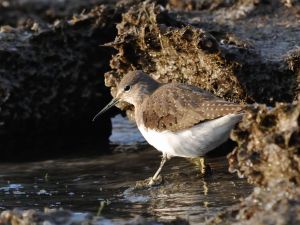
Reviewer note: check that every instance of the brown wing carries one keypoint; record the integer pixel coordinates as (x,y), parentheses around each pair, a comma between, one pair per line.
(178,106)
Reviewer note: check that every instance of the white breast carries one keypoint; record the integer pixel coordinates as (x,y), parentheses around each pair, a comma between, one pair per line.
(193,142)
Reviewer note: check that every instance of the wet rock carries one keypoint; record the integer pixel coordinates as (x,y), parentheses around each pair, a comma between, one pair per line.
(51,84)
(293,60)
(49,216)
(17,12)
(268,145)
(278,205)
(62,217)
(268,156)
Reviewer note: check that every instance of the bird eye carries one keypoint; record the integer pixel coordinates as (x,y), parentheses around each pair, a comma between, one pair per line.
(127,88)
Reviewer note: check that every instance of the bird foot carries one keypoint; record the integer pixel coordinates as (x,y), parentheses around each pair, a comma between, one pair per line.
(155,181)
(149,182)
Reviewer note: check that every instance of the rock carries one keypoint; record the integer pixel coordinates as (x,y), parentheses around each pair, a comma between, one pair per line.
(151,40)
(16,13)
(268,143)
(51,85)
(244,51)
(278,205)
(267,155)
(211,48)
(62,217)
(239,51)
(210,44)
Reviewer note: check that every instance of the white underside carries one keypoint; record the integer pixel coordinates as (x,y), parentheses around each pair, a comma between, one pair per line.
(193,142)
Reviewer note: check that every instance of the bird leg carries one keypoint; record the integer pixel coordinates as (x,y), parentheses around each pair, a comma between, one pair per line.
(163,161)
(202,165)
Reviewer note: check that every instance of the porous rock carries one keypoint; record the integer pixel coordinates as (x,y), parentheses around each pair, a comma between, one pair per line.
(210,48)
(63,217)
(268,145)
(279,205)
(267,155)
(16,13)
(51,84)
(149,39)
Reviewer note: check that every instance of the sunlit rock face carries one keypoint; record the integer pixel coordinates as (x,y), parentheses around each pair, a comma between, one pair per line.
(268,156)
(219,48)
(268,145)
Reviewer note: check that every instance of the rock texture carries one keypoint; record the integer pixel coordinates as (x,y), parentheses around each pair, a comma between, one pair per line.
(232,48)
(151,40)
(17,12)
(268,145)
(62,217)
(54,54)
(268,156)
(278,205)
(51,84)
(243,51)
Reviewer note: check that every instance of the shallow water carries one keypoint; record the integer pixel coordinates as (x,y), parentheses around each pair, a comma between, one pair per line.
(104,184)
(125,132)
(82,184)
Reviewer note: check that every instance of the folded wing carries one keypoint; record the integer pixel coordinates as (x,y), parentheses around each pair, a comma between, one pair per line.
(177,107)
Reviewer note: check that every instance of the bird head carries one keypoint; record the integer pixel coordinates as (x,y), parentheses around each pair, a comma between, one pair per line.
(133,87)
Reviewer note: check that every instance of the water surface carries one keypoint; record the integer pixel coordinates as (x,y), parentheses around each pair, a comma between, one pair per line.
(82,184)
(105,183)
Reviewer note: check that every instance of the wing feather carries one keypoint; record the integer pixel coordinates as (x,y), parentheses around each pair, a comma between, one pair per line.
(178,106)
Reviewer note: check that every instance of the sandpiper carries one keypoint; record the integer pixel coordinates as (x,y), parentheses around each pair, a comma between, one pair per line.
(177,119)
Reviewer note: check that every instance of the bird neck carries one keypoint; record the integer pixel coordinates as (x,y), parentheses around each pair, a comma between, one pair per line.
(144,91)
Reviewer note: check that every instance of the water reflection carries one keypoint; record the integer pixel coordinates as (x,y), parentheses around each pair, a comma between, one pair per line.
(104,185)
(82,184)
(125,132)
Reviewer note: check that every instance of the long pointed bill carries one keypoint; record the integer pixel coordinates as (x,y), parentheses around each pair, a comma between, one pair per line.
(109,105)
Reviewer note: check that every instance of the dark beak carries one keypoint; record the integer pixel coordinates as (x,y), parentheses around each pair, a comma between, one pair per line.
(109,105)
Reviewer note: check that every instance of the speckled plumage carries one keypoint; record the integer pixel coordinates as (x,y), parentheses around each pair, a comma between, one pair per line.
(177,119)
(177,107)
